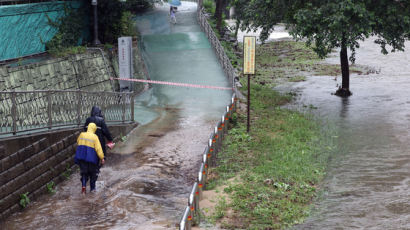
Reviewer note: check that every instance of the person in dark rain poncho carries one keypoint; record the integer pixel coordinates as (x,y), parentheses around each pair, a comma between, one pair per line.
(102,129)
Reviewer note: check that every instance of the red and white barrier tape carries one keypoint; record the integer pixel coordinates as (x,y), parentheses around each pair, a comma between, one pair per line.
(173,83)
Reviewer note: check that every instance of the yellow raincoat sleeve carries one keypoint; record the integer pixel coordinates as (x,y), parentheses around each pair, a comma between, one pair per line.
(98,148)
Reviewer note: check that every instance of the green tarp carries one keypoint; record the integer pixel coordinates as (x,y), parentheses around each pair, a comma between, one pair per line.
(24,28)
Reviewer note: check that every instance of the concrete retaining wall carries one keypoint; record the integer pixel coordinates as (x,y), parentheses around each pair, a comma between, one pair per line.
(87,71)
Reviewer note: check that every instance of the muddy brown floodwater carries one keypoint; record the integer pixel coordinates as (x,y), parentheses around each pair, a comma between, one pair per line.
(147,179)
(368,180)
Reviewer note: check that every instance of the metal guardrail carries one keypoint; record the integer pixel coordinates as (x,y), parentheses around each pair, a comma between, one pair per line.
(216,44)
(24,111)
(191,214)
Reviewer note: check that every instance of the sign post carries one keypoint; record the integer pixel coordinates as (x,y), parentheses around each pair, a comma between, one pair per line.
(249,47)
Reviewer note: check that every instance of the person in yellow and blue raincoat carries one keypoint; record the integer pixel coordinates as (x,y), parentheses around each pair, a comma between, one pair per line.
(88,156)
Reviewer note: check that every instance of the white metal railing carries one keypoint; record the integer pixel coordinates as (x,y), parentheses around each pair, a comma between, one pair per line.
(191,215)
(23,111)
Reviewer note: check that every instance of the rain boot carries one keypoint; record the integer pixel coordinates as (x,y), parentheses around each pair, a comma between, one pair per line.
(84,184)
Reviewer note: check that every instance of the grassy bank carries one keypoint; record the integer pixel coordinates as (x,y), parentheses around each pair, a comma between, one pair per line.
(267,179)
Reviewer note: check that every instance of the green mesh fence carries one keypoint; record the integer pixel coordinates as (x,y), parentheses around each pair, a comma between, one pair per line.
(24,28)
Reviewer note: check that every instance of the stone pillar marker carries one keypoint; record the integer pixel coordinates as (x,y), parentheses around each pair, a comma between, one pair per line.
(125,62)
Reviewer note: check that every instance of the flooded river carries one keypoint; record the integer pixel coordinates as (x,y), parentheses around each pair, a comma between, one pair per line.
(368,182)
(146,180)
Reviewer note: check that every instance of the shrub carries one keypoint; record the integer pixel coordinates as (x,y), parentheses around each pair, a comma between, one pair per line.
(70,30)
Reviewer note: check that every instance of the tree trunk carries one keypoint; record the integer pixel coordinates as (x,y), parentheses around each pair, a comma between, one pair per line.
(344,63)
(218,14)
(237,24)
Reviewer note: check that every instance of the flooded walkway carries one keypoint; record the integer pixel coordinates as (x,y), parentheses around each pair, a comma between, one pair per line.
(368,183)
(146,180)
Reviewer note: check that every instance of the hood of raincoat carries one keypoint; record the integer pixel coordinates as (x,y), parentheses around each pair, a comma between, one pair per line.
(92,127)
(96,111)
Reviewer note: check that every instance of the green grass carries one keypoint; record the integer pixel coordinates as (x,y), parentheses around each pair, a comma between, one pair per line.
(64,52)
(279,165)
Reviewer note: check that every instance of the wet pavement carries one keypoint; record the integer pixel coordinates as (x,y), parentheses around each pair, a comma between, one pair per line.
(146,180)
(368,182)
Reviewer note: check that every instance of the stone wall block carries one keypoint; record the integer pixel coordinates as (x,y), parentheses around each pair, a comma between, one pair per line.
(61,156)
(14,185)
(35,74)
(12,80)
(68,141)
(49,153)
(63,67)
(43,71)
(3,72)
(25,178)
(62,166)
(9,162)
(2,84)
(43,143)
(45,178)
(9,201)
(57,68)
(39,145)
(69,151)
(30,187)
(12,173)
(36,160)
(60,146)
(9,211)
(5,164)
(54,148)
(27,152)
(2,152)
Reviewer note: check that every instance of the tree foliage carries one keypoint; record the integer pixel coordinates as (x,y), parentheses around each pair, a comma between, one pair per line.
(70,29)
(326,24)
(330,24)
(264,14)
(115,18)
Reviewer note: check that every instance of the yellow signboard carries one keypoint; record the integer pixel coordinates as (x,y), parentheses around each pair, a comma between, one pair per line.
(249,54)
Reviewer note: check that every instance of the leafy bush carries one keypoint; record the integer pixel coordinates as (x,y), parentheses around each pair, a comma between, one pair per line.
(115,20)
(70,30)
(127,25)
(209,6)
(139,5)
